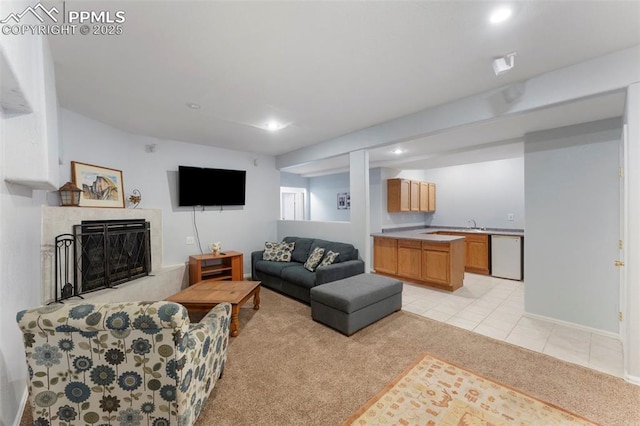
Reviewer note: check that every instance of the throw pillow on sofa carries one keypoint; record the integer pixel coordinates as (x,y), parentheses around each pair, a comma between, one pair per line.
(314,259)
(329,258)
(278,252)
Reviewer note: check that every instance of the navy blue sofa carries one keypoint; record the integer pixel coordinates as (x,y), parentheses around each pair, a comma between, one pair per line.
(292,279)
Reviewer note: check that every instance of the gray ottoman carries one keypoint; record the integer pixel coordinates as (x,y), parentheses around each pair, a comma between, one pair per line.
(355,302)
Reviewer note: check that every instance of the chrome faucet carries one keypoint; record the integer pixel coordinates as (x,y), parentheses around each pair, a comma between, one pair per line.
(475,225)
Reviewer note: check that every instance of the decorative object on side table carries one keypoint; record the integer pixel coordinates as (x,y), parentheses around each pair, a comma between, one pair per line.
(69,195)
(215,248)
(135,198)
(101,186)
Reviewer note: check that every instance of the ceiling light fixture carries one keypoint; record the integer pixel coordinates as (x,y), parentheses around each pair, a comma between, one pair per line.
(500,15)
(398,151)
(273,126)
(193,106)
(504,63)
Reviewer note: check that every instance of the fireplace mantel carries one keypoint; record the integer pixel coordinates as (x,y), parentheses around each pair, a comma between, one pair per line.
(60,220)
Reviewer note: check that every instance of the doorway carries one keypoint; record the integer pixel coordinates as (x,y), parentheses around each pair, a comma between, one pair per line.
(292,203)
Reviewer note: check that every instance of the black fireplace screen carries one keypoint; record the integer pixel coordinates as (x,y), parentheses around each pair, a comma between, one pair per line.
(101,254)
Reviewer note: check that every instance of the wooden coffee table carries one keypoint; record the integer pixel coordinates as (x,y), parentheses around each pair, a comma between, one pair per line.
(202,296)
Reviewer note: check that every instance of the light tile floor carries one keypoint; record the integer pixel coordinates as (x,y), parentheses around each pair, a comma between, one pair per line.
(494,307)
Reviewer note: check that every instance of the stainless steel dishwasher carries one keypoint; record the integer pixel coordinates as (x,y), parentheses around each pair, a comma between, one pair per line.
(506,256)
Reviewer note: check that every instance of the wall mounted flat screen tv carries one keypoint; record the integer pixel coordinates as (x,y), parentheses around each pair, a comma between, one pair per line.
(198,186)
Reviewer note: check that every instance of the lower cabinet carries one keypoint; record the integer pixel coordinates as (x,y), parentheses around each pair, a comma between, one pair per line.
(409,259)
(476,249)
(385,255)
(436,264)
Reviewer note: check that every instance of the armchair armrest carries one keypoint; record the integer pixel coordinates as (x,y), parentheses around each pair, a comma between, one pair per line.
(338,271)
(255,256)
(200,361)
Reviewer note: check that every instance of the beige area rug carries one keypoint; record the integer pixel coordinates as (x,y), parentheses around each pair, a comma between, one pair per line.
(286,369)
(433,392)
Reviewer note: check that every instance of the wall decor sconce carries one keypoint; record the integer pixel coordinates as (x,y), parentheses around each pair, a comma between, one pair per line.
(135,198)
(69,195)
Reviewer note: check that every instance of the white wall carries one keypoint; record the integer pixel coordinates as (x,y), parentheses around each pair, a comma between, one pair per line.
(293,180)
(332,231)
(323,192)
(20,210)
(573,223)
(375,199)
(20,286)
(486,192)
(242,229)
(355,232)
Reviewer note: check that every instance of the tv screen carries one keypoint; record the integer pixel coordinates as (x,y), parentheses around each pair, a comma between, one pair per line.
(198,186)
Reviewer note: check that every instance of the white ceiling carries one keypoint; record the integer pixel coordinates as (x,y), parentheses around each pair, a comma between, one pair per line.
(328,68)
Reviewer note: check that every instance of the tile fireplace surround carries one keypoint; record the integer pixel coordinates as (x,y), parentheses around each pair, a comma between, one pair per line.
(161,282)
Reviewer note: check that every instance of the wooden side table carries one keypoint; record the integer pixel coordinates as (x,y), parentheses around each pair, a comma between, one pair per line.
(227,265)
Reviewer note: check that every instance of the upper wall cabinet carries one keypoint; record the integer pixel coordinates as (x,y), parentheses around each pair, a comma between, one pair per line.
(404,195)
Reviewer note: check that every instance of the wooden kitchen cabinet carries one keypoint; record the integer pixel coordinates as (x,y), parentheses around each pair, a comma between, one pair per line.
(414,196)
(427,197)
(476,251)
(436,264)
(431,207)
(435,261)
(385,255)
(409,259)
(398,195)
(405,195)
(443,264)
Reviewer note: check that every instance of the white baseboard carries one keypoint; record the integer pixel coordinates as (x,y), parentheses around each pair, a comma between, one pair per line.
(634,380)
(573,325)
(21,408)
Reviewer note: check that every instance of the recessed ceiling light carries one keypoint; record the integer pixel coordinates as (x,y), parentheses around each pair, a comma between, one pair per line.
(500,15)
(273,126)
(193,106)
(398,151)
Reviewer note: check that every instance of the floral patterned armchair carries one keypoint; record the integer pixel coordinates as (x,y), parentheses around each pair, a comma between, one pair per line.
(122,363)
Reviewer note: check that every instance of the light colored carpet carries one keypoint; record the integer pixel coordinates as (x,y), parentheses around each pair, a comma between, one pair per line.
(286,369)
(432,391)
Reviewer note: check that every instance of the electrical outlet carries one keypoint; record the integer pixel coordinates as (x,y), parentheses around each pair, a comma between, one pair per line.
(190,241)
(510,216)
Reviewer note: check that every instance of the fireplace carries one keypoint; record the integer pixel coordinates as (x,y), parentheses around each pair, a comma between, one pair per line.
(101,254)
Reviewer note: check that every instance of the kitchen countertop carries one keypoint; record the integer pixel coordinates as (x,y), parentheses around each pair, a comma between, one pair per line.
(420,235)
(428,234)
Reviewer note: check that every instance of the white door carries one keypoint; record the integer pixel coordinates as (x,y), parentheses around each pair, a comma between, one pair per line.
(288,206)
(292,204)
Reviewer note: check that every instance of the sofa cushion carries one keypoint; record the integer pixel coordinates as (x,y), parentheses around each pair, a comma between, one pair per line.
(278,252)
(301,250)
(299,275)
(273,268)
(347,251)
(314,259)
(329,258)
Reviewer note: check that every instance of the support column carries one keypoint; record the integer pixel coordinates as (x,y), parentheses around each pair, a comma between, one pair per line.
(631,306)
(360,212)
